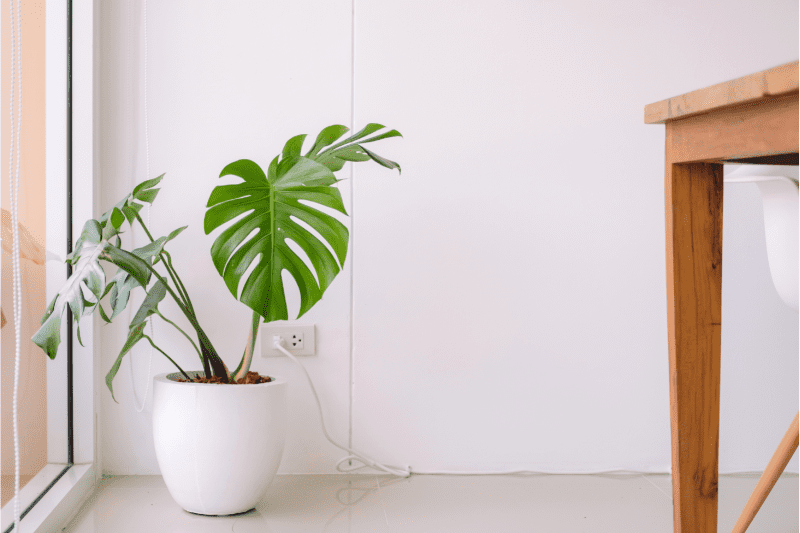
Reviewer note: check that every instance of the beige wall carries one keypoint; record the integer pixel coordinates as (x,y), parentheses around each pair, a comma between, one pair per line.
(32,386)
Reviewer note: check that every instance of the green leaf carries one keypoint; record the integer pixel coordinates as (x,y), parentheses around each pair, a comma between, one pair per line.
(150,303)
(391,133)
(148,184)
(351,153)
(175,233)
(91,246)
(265,211)
(150,250)
(245,169)
(88,273)
(103,314)
(347,150)
(120,294)
(78,334)
(336,159)
(107,215)
(49,309)
(108,288)
(134,335)
(117,218)
(294,145)
(48,336)
(128,262)
(369,129)
(130,211)
(148,196)
(92,233)
(271,206)
(381,161)
(109,231)
(327,136)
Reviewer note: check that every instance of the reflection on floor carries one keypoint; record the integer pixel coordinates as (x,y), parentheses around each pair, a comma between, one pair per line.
(376,504)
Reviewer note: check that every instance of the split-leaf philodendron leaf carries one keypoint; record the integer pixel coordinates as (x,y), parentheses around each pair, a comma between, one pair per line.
(88,277)
(267,207)
(135,334)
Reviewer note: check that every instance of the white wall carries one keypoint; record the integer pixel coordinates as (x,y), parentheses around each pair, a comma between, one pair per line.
(508,290)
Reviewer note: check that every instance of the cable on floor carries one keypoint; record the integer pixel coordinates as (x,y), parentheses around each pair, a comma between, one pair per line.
(407,471)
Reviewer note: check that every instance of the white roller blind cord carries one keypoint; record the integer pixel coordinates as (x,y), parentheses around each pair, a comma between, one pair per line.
(13,178)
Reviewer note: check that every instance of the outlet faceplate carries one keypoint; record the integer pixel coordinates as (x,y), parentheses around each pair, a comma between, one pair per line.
(298,339)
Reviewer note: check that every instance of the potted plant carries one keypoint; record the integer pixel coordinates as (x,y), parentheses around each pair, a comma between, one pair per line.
(219,446)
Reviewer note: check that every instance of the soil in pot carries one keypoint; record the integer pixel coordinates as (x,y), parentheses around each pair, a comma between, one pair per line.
(252,378)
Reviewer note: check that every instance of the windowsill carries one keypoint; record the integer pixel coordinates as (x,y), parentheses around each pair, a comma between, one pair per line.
(60,503)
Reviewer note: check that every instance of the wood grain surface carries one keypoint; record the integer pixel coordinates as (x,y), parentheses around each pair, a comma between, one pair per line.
(693,193)
(776,81)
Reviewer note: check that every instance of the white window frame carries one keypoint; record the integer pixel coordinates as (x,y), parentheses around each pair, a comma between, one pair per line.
(67,495)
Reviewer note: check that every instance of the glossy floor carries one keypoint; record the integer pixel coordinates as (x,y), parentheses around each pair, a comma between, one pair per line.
(377,504)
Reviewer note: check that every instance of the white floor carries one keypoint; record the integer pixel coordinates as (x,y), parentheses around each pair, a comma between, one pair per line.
(376,504)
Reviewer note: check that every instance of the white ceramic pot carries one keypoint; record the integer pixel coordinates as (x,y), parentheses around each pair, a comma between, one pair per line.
(218,446)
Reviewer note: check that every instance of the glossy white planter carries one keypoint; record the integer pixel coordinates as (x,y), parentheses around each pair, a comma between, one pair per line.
(218,446)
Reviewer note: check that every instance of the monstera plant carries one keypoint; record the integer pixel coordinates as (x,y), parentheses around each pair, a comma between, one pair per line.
(259,215)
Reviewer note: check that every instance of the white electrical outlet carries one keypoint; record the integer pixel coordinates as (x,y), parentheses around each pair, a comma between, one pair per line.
(297,338)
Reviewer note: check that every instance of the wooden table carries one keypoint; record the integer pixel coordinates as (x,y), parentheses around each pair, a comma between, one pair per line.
(753,120)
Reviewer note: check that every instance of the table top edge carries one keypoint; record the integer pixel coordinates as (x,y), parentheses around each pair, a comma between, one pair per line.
(776,81)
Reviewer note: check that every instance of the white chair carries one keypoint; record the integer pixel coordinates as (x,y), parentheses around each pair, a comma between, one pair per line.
(779,192)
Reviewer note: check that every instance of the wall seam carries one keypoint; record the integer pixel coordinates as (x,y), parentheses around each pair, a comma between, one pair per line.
(352,224)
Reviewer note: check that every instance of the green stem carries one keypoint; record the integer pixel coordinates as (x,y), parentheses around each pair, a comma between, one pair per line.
(168,357)
(139,218)
(210,355)
(178,279)
(183,332)
(247,359)
(171,271)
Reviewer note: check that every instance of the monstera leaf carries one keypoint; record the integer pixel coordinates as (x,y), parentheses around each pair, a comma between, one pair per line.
(136,329)
(350,149)
(87,276)
(87,284)
(264,212)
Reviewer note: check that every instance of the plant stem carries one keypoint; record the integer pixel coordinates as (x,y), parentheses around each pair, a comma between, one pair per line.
(247,358)
(178,279)
(183,332)
(139,218)
(171,271)
(210,355)
(168,357)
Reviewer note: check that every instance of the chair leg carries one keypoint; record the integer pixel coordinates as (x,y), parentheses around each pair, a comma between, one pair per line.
(770,476)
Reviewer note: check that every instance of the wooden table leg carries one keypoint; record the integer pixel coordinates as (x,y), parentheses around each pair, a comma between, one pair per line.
(767,481)
(694,296)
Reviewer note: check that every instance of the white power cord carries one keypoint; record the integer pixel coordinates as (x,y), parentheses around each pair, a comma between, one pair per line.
(278,341)
(16,53)
(394,470)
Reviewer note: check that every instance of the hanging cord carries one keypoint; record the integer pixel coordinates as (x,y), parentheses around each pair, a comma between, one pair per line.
(13,175)
(149,207)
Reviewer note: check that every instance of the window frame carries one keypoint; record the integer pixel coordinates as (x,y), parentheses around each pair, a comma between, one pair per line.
(56,494)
